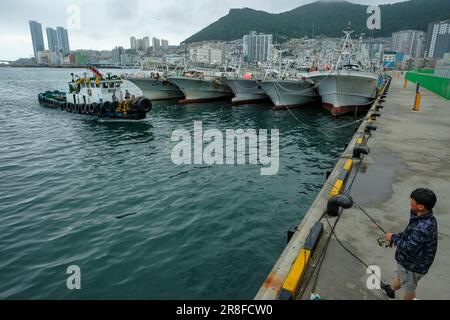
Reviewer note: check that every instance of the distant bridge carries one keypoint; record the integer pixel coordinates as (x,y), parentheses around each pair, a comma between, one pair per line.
(7,61)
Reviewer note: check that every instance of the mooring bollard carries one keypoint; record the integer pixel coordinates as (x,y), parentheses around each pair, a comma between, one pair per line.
(406,84)
(418,100)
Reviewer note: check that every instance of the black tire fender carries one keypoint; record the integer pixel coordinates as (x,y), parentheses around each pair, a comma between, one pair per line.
(145,105)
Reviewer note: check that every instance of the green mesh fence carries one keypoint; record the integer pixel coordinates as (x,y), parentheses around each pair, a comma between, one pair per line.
(440,86)
(426,71)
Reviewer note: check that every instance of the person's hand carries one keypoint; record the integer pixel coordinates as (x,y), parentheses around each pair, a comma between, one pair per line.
(389,237)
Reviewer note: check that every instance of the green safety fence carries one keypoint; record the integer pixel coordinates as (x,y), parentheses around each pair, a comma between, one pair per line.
(426,71)
(440,86)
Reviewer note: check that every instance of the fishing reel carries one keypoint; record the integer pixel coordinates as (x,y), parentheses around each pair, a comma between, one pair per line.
(382,242)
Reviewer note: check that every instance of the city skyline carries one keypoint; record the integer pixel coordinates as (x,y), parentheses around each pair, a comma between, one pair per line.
(171,20)
(57,38)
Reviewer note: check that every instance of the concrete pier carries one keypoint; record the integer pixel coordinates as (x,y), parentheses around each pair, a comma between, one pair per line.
(409,149)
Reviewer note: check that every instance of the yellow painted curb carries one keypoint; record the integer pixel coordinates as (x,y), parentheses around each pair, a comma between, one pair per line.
(298,269)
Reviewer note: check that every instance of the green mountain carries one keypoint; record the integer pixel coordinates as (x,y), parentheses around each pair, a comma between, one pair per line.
(327,18)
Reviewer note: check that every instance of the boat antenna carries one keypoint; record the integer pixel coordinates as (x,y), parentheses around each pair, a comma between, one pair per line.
(285,69)
(347,46)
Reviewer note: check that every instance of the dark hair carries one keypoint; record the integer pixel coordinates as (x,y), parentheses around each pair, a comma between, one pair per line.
(425,197)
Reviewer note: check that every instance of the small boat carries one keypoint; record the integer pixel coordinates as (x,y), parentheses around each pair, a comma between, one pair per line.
(246,90)
(199,87)
(97,96)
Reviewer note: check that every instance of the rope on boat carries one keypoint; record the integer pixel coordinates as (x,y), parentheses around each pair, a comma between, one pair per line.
(321,127)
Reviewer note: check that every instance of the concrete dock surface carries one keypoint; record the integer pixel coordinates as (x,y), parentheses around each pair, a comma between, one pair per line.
(409,150)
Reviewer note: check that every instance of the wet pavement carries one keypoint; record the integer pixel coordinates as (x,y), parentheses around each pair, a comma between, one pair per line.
(409,150)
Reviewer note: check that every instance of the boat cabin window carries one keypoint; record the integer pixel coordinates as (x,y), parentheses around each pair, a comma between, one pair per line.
(105,85)
(117,84)
(111,84)
(92,85)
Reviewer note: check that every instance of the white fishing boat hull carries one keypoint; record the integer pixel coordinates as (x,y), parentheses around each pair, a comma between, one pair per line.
(246,91)
(154,89)
(202,90)
(290,93)
(345,91)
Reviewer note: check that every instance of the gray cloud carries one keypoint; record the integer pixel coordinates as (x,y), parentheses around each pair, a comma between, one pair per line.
(105,24)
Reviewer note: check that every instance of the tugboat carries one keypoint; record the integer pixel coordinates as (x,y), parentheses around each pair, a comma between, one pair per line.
(97,96)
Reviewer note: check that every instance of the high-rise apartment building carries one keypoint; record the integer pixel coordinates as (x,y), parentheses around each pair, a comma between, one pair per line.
(257,47)
(63,40)
(409,42)
(438,39)
(37,37)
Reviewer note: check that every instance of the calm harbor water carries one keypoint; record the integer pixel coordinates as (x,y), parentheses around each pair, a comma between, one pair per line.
(106,197)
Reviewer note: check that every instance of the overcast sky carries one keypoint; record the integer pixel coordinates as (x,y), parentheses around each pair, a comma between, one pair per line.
(109,23)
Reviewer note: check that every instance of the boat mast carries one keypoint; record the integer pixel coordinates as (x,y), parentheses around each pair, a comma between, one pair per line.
(347,46)
(273,59)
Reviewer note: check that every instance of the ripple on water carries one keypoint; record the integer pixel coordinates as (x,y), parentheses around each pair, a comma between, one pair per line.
(106,196)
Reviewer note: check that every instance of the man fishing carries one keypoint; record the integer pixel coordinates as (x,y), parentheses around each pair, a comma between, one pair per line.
(416,246)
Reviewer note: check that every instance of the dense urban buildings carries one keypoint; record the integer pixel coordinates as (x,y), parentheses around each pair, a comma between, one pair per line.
(375,47)
(58,44)
(120,57)
(405,50)
(58,40)
(140,44)
(207,54)
(143,44)
(409,42)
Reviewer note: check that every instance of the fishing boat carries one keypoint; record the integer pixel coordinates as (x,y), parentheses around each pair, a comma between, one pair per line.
(290,93)
(97,96)
(156,86)
(285,86)
(347,88)
(198,86)
(246,90)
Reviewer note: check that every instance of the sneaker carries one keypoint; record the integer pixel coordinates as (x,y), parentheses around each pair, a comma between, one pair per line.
(388,290)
